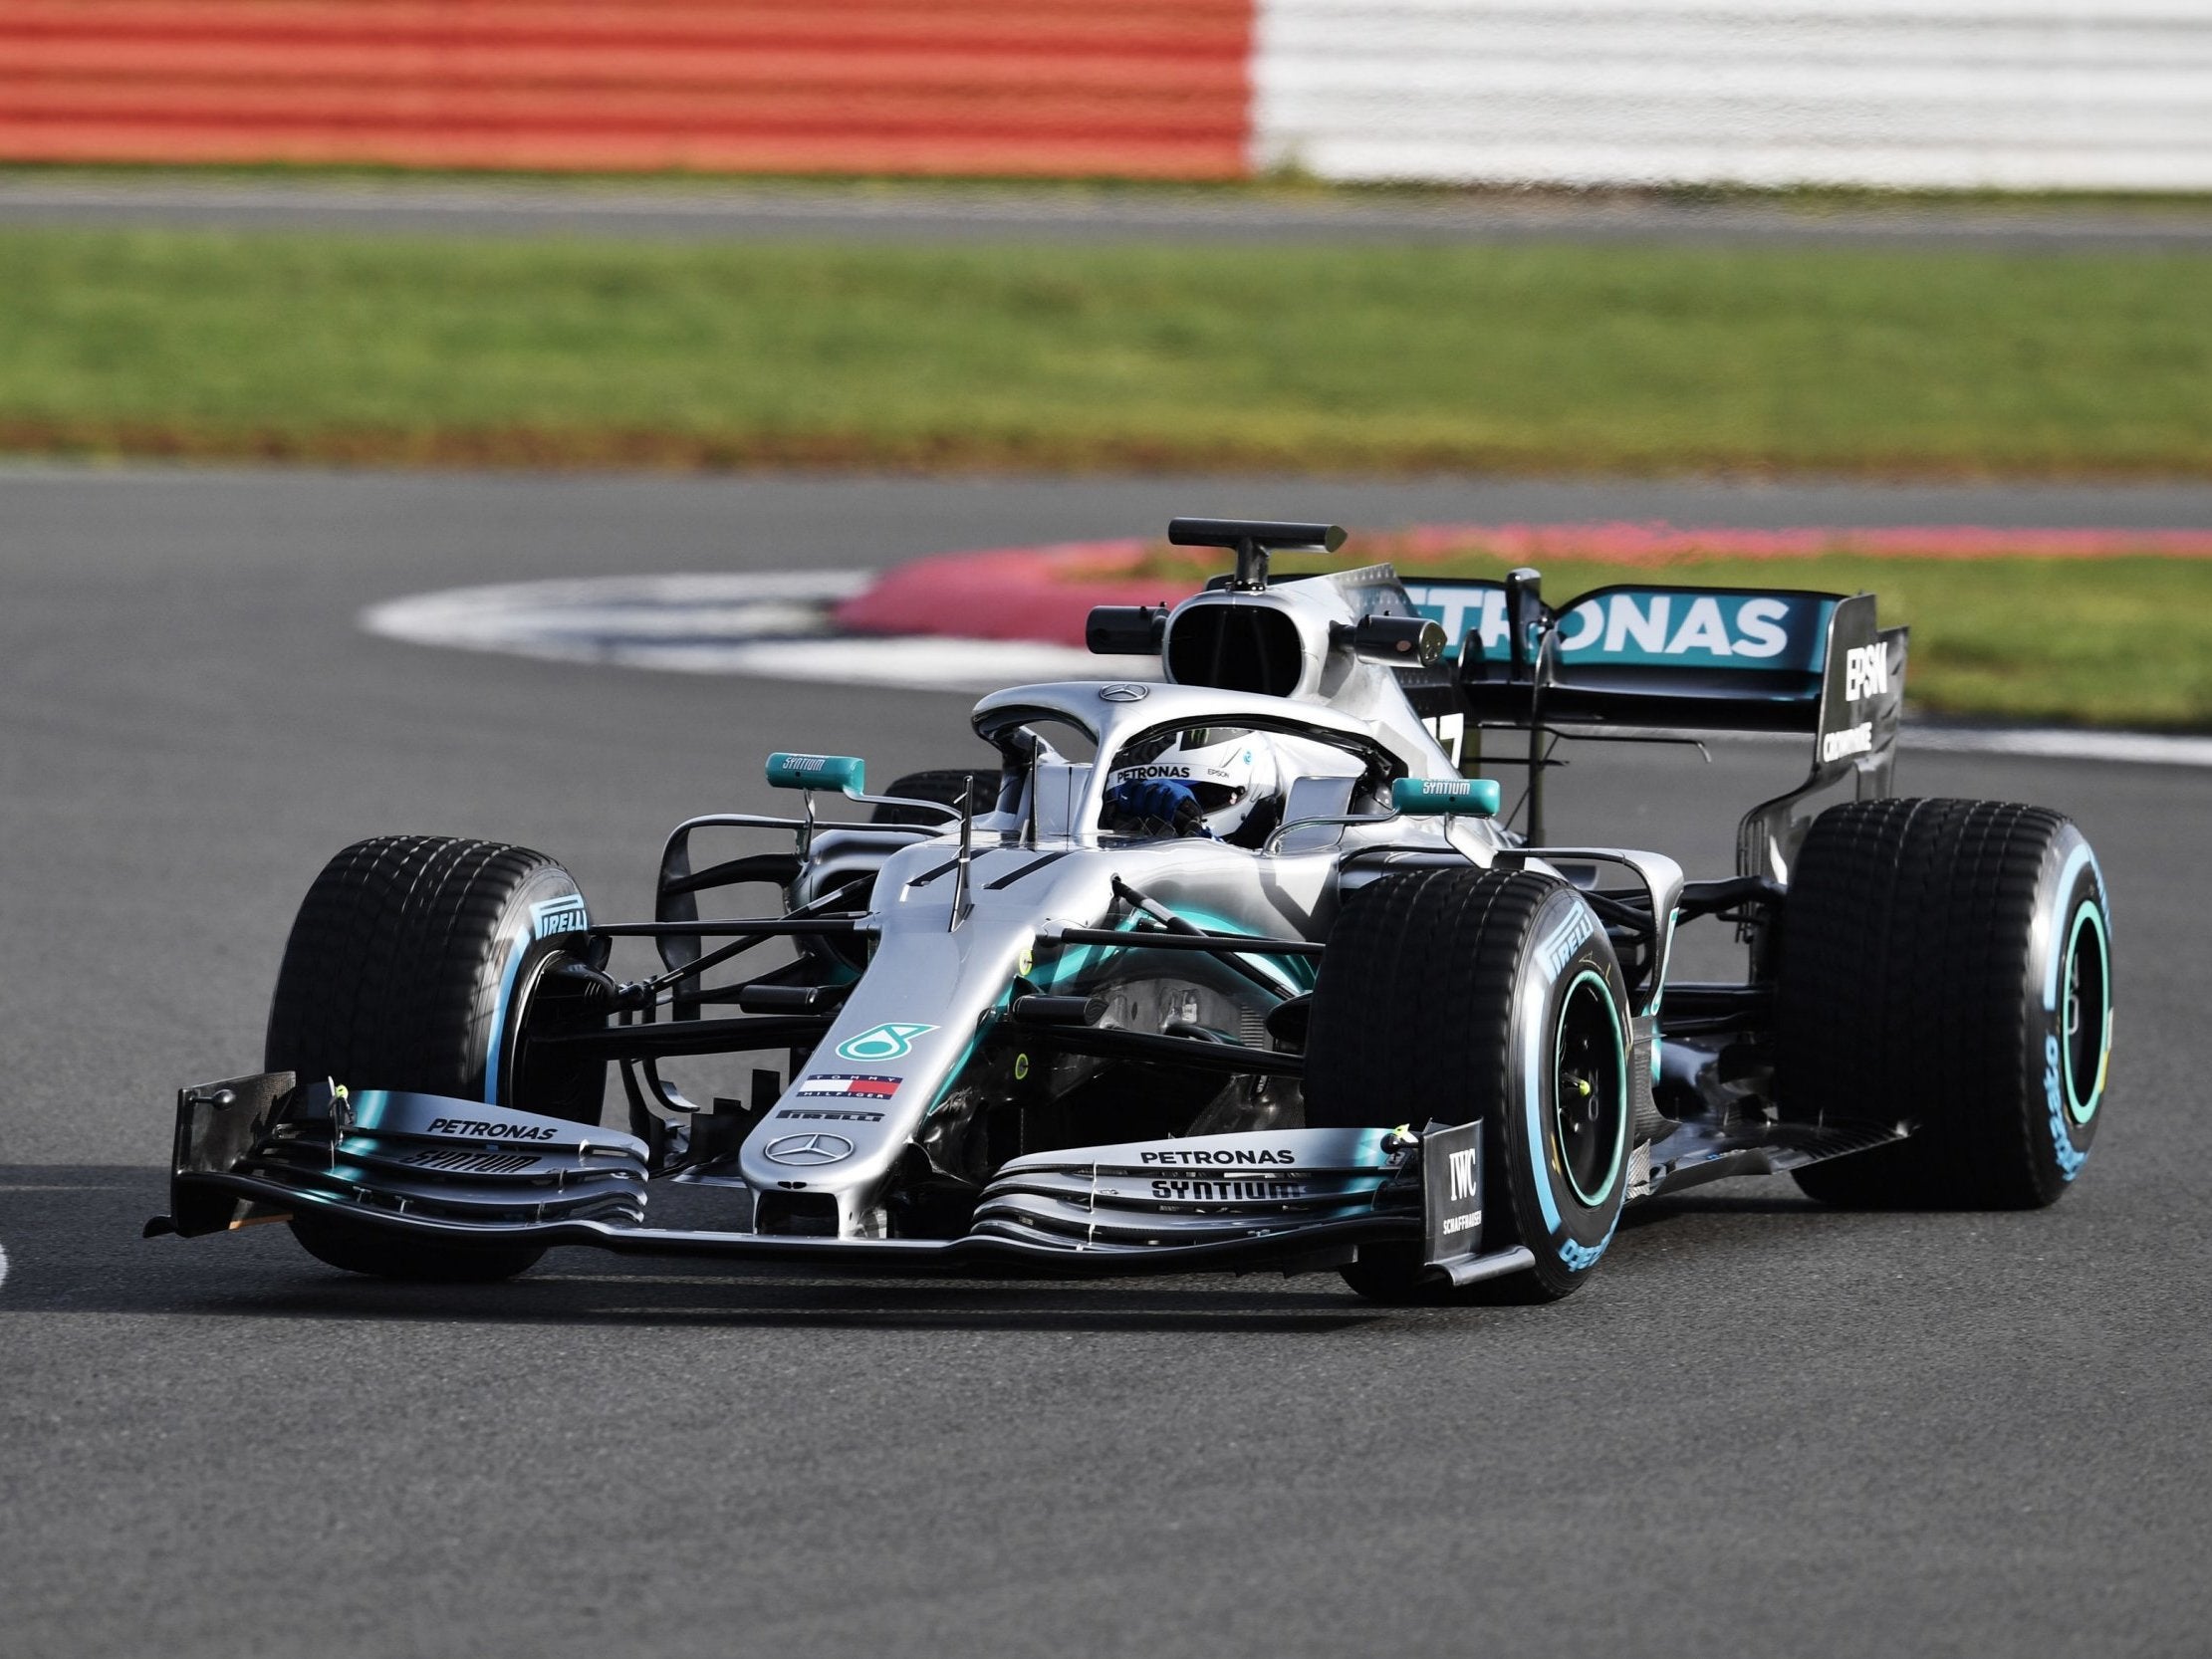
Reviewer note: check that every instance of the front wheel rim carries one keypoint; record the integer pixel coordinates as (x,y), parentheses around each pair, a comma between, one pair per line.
(1589,1093)
(2085,1013)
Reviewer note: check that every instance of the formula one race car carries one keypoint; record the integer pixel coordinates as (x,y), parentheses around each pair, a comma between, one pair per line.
(1234,968)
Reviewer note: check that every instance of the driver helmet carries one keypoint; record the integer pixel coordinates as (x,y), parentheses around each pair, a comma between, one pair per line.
(1234,771)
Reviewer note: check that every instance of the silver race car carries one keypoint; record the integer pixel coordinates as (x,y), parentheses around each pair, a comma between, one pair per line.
(1228,964)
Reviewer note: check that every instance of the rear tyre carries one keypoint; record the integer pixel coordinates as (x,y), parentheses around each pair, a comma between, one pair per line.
(425,963)
(1946,964)
(1461,994)
(950,786)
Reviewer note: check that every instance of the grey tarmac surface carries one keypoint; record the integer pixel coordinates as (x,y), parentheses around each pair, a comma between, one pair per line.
(1764,1427)
(955,213)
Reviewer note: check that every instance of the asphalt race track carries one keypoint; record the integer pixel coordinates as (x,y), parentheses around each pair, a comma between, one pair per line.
(950,212)
(1764,1428)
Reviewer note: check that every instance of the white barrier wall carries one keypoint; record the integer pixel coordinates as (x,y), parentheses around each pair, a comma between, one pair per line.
(2003,94)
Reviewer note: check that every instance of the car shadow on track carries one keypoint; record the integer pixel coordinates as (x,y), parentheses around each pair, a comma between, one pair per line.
(1779,1201)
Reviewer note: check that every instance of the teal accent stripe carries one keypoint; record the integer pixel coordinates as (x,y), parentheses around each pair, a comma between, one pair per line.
(2073,866)
(1620,1062)
(499,1016)
(2078,1110)
(1578,1257)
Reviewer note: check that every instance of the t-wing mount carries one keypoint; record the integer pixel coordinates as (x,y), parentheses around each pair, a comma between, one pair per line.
(1253,540)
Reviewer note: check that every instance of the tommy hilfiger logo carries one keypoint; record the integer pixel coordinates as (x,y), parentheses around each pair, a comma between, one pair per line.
(851,1087)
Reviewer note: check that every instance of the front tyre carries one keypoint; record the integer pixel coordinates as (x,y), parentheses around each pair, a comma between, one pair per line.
(1948,965)
(425,963)
(1454,995)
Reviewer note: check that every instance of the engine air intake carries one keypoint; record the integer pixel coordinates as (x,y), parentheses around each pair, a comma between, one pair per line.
(1236,647)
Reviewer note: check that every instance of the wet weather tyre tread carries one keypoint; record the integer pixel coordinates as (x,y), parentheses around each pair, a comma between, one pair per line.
(387,982)
(1415,1002)
(1905,996)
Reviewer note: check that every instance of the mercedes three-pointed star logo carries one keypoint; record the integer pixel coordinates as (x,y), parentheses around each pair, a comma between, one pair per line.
(809,1149)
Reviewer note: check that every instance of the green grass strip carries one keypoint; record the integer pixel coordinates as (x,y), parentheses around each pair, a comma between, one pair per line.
(1631,358)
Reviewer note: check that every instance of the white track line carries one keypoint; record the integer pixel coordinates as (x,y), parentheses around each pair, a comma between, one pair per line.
(3,1264)
(777,625)
(2049,743)
(774,625)
(2062,744)
(598,619)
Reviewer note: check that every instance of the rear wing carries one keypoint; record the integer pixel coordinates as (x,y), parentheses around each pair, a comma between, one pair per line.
(1652,660)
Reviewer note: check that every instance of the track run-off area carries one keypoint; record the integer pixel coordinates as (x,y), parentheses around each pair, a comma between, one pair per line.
(1765,1426)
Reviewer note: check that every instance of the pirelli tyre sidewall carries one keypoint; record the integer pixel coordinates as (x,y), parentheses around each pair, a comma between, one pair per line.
(521,988)
(2068,1021)
(1564,1132)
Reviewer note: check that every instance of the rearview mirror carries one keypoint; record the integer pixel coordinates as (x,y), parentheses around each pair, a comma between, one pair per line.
(844,773)
(1395,641)
(1438,797)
